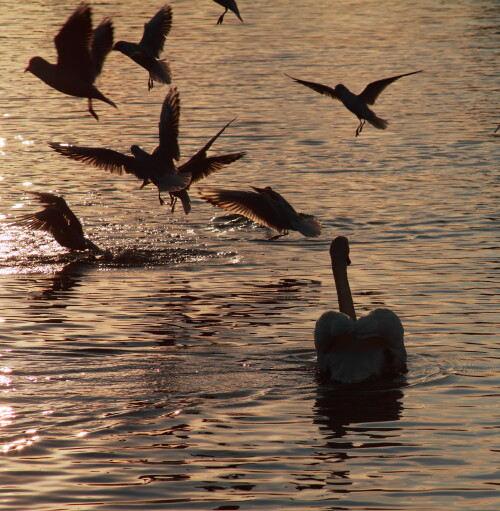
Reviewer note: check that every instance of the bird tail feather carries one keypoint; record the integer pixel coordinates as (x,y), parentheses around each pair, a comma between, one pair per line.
(161,72)
(309,225)
(378,123)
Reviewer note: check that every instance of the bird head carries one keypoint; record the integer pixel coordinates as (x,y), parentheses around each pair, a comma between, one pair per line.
(339,250)
(34,64)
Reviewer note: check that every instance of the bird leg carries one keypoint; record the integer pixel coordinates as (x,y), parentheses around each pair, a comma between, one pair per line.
(275,237)
(91,110)
(221,18)
(150,83)
(162,202)
(173,202)
(359,129)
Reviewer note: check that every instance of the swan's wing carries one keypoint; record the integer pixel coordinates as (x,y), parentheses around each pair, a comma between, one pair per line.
(373,90)
(73,42)
(168,148)
(105,159)
(203,167)
(318,87)
(102,44)
(253,205)
(156,30)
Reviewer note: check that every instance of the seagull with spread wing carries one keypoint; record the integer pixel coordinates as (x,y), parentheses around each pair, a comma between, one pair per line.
(80,56)
(357,103)
(200,166)
(146,53)
(157,168)
(266,207)
(57,219)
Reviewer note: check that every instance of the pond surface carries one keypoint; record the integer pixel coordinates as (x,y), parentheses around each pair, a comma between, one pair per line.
(178,371)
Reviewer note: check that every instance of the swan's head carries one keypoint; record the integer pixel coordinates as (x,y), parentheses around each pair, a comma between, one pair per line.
(339,251)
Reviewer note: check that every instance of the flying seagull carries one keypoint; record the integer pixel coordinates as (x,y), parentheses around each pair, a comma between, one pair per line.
(80,57)
(157,168)
(266,207)
(57,219)
(146,53)
(357,104)
(229,5)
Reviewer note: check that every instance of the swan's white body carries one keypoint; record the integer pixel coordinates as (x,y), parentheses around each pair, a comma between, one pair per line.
(350,350)
(354,351)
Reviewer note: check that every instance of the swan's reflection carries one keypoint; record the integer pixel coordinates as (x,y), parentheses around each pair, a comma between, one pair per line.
(340,409)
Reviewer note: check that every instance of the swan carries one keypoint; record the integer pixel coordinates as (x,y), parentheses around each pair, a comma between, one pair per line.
(80,57)
(350,350)
(265,206)
(57,219)
(357,103)
(228,5)
(146,53)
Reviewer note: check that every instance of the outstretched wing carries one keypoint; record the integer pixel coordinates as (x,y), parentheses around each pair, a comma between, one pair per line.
(203,167)
(102,44)
(373,90)
(168,148)
(156,31)
(106,159)
(73,43)
(322,89)
(255,206)
(56,216)
(200,166)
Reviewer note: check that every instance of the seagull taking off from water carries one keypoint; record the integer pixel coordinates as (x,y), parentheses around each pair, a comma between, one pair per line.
(357,104)
(57,219)
(157,168)
(266,207)
(146,53)
(80,57)
(229,5)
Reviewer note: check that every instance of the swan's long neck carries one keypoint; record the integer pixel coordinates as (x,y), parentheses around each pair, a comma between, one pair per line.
(346,305)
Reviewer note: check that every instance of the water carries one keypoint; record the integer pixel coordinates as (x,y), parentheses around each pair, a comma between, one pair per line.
(178,372)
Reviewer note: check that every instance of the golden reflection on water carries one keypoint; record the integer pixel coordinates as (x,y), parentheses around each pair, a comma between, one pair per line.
(185,359)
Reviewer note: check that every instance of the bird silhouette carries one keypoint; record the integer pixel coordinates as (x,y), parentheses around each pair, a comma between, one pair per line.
(147,52)
(57,219)
(80,57)
(357,104)
(264,206)
(229,5)
(350,350)
(157,168)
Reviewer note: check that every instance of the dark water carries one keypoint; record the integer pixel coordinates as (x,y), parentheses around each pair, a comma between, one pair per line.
(177,371)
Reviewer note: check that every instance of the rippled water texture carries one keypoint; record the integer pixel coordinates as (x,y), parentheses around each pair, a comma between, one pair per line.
(178,370)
